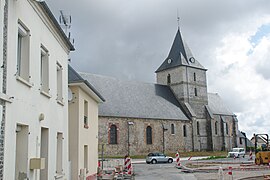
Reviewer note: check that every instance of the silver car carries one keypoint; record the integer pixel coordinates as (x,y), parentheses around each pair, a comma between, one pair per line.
(158,158)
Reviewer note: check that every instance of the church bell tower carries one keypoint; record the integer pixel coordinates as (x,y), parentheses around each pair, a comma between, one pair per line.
(186,77)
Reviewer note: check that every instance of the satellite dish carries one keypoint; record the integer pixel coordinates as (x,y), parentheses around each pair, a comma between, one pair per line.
(70,94)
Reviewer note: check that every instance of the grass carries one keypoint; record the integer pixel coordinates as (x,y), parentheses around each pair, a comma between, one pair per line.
(202,153)
(211,154)
(214,157)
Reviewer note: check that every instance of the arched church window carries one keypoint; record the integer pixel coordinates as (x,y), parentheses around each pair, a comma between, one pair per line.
(113,134)
(168,79)
(194,76)
(216,124)
(195,91)
(227,128)
(184,131)
(148,135)
(198,128)
(172,128)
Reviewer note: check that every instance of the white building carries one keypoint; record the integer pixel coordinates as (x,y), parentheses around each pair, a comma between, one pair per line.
(83,126)
(37,80)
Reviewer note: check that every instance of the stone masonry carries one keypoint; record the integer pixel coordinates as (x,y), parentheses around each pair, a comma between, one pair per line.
(137,136)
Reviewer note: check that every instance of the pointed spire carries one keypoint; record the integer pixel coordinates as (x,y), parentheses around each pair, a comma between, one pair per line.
(176,53)
(179,55)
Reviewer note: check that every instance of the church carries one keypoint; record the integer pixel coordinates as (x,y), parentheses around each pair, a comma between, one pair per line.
(176,113)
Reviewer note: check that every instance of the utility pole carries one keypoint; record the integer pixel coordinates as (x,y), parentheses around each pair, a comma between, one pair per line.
(163,131)
(128,144)
(102,155)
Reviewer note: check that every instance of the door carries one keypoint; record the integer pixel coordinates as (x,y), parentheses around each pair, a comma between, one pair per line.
(44,152)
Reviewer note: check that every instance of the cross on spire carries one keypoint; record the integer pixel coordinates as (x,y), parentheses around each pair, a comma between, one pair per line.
(178,19)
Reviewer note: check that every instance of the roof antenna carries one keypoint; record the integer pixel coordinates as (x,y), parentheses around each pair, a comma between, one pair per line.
(178,19)
(65,22)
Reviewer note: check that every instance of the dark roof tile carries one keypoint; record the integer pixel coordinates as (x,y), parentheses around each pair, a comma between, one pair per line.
(179,55)
(74,77)
(135,99)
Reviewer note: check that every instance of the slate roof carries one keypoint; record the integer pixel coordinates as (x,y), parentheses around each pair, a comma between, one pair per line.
(135,99)
(74,77)
(217,106)
(250,143)
(180,55)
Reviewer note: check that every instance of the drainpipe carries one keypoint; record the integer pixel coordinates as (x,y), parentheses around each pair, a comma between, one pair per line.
(4,65)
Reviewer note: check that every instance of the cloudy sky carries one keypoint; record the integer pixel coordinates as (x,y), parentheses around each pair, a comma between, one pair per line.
(129,39)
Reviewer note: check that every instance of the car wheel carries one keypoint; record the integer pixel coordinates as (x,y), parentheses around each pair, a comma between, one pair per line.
(154,161)
(243,156)
(170,161)
(148,162)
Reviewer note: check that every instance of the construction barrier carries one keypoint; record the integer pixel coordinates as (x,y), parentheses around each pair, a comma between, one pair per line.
(230,170)
(128,165)
(116,169)
(250,155)
(178,164)
(220,174)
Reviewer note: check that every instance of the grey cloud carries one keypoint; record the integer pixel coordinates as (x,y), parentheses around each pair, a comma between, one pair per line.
(130,39)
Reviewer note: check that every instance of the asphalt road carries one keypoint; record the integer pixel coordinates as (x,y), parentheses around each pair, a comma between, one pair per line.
(167,171)
(160,172)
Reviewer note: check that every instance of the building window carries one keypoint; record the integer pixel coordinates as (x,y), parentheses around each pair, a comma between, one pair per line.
(59,82)
(194,76)
(148,135)
(184,130)
(44,69)
(168,79)
(198,128)
(227,128)
(195,91)
(240,141)
(85,117)
(172,129)
(113,134)
(216,130)
(23,49)
(85,157)
(59,154)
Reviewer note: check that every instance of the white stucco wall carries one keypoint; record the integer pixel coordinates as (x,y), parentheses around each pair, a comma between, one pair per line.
(28,103)
(81,136)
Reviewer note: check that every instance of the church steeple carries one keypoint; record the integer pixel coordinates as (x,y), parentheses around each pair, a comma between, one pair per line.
(179,55)
(185,76)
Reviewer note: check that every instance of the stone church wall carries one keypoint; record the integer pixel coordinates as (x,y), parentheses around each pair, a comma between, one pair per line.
(137,136)
(223,140)
(200,136)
